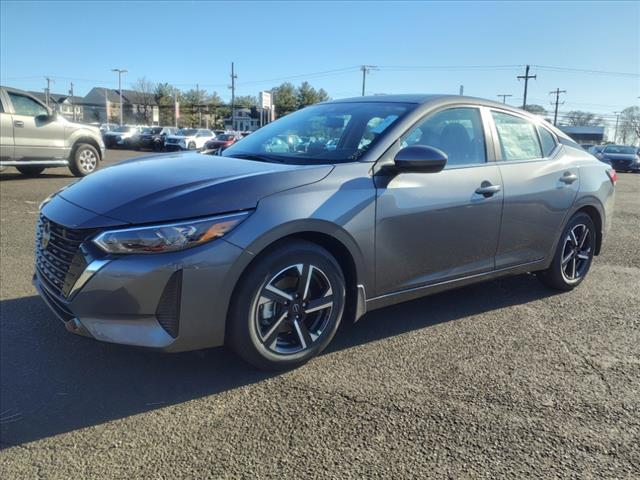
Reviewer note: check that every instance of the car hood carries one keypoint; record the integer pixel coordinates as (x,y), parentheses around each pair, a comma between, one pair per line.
(162,188)
(180,137)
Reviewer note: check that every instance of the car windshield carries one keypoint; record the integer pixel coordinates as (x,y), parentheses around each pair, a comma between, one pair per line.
(620,150)
(152,130)
(123,128)
(187,132)
(224,138)
(325,133)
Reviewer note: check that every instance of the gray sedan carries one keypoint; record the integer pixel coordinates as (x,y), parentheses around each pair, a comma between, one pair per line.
(268,248)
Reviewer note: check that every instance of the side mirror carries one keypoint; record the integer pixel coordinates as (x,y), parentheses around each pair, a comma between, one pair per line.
(45,118)
(420,158)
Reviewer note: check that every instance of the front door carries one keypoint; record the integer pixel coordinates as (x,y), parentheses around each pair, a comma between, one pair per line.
(432,227)
(37,135)
(6,132)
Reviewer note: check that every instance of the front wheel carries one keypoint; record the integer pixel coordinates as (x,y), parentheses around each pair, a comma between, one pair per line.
(287,307)
(573,256)
(191,146)
(84,161)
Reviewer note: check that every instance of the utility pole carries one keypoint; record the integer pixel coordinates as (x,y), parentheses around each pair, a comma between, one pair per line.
(366,69)
(176,106)
(526,78)
(504,97)
(120,72)
(198,102)
(73,107)
(233,97)
(557,93)
(47,91)
(615,134)
(461,90)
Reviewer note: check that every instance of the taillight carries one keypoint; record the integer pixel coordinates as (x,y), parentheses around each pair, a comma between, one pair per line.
(613,176)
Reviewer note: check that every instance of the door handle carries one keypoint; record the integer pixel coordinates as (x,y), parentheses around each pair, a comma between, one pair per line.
(18,123)
(568,178)
(487,189)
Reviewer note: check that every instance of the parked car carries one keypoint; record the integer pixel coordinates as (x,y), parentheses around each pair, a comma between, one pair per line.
(121,136)
(221,142)
(269,252)
(596,149)
(107,127)
(152,138)
(621,157)
(34,137)
(188,139)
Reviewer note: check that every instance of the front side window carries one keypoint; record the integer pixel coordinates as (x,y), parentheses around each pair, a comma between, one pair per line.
(620,150)
(26,106)
(518,137)
(547,140)
(457,132)
(324,133)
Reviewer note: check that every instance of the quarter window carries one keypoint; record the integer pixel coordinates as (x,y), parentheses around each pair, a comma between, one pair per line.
(518,137)
(26,106)
(457,132)
(547,140)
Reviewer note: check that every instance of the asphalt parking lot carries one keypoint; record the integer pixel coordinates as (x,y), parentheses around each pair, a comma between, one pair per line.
(505,378)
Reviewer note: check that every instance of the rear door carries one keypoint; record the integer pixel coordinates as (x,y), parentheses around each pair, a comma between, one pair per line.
(37,135)
(6,131)
(540,186)
(432,227)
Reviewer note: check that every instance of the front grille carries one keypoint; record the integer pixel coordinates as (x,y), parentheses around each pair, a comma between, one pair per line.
(173,140)
(59,260)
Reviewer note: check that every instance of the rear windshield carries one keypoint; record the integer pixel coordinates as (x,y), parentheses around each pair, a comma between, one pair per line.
(187,132)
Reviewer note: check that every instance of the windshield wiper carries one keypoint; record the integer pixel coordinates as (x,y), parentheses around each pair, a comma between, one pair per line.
(252,156)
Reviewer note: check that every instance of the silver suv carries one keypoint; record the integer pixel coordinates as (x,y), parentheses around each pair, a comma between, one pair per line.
(33,137)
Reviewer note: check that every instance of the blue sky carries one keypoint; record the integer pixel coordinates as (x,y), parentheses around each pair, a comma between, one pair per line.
(185,43)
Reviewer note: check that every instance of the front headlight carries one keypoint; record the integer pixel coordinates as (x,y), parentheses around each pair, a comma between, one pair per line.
(169,237)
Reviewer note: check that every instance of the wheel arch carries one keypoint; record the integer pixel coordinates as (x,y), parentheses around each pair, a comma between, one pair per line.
(326,235)
(596,217)
(88,140)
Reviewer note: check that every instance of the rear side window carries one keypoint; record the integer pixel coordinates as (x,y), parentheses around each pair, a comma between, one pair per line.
(458,132)
(26,106)
(547,140)
(518,137)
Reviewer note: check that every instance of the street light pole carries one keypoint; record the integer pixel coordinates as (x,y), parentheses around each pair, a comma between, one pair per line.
(615,133)
(120,72)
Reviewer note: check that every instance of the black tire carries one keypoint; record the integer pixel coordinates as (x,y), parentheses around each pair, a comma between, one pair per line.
(565,274)
(191,146)
(248,330)
(157,146)
(30,171)
(84,160)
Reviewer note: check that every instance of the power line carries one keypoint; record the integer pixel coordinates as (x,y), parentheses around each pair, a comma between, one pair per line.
(586,71)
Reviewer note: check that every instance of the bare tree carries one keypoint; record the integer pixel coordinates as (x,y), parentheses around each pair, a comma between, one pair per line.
(143,99)
(630,124)
(578,118)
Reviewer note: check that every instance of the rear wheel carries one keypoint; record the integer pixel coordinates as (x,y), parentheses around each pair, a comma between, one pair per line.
(192,146)
(84,161)
(287,307)
(30,171)
(573,256)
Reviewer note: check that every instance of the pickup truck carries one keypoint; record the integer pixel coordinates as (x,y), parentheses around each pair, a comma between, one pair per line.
(34,137)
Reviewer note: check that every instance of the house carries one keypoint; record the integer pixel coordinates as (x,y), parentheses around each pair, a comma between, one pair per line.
(245,119)
(103,105)
(69,107)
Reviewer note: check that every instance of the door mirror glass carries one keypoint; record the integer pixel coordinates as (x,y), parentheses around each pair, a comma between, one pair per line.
(420,158)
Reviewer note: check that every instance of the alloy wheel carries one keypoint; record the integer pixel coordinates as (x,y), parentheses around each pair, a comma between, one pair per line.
(293,309)
(87,160)
(576,253)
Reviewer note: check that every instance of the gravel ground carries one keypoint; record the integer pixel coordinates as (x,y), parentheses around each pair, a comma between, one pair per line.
(501,379)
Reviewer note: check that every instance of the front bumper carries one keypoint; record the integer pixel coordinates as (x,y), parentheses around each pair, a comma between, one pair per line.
(129,299)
